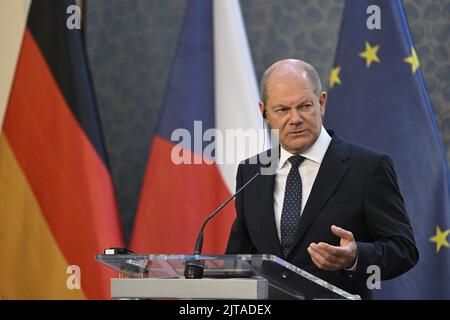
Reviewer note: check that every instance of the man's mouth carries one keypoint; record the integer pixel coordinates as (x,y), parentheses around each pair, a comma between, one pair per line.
(297,132)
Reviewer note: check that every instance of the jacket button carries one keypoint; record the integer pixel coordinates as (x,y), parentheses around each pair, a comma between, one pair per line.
(284,274)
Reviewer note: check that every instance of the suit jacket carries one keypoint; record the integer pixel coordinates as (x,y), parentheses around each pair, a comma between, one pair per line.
(356,189)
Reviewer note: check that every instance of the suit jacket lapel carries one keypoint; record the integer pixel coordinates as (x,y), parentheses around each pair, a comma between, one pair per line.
(331,172)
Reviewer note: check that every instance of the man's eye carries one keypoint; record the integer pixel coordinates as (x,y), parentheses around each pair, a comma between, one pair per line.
(305,106)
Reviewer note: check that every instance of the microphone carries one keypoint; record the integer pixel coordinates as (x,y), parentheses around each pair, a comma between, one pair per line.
(194,269)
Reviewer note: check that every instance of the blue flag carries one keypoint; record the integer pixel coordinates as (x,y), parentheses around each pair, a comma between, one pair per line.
(378,99)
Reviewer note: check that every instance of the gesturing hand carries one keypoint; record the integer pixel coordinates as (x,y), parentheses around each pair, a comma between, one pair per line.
(329,257)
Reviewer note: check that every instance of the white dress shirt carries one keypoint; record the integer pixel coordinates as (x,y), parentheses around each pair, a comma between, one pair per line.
(308,171)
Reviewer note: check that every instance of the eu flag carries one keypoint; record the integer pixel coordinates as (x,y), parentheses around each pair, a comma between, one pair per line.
(378,99)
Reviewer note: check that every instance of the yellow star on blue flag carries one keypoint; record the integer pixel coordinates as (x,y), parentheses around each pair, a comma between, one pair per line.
(334,77)
(370,54)
(440,238)
(413,59)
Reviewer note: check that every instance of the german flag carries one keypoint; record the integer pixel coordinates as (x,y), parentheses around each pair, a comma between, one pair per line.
(57,203)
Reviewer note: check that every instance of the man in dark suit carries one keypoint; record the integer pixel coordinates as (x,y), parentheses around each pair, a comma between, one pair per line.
(332,208)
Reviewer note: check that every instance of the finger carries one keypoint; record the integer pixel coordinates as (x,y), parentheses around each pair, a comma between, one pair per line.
(338,261)
(320,262)
(342,254)
(335,251)
(342,233)
(324,254)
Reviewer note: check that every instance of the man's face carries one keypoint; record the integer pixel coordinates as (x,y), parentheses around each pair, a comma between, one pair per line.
(294,109)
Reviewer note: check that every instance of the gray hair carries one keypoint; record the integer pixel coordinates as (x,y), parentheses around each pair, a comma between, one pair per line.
(311,73)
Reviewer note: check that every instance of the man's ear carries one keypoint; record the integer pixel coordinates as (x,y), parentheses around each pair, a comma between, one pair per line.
(263,109)
(322,102)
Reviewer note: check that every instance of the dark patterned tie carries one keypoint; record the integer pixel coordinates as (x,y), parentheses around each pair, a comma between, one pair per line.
(292,204)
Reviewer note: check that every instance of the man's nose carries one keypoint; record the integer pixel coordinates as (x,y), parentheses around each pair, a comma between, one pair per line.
(295,117)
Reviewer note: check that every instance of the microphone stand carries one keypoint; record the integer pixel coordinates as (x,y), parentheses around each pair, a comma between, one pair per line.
(194,268)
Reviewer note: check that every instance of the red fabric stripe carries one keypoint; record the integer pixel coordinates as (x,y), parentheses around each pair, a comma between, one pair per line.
(175,201)
(69,180)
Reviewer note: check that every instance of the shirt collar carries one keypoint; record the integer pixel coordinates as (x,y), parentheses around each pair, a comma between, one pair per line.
(314,153)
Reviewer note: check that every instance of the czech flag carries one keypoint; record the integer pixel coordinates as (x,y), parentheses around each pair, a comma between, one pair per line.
(212,85)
